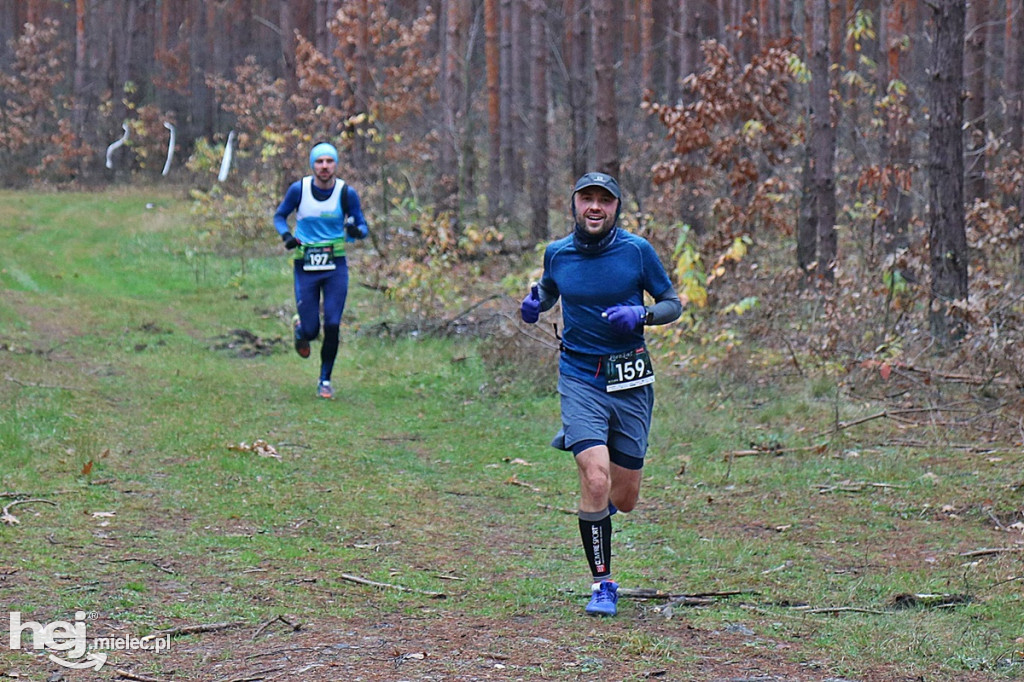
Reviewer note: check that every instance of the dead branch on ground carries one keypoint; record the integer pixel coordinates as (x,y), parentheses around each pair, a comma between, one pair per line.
(128,675)
(985,551)
(10,519)
(686,599)
(853,487)
(294,626)
(388,586)
(143,561)
(753,452)
(192,630)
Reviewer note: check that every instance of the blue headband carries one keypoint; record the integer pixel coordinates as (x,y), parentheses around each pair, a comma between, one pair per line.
(322,149)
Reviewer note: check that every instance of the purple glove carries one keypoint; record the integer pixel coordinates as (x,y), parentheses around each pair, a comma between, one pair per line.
(530,308)
(625,318)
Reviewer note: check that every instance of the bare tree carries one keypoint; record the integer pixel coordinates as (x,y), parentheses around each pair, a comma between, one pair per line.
(539,150)
(578,58)
(605,98)
(974,108)
(1014,48)
(946,228)
(818,207)
(493,65)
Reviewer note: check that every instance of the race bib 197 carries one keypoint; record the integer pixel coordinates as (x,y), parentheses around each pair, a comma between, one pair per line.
(318,258)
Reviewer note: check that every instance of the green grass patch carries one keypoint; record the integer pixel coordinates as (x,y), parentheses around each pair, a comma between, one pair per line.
(131,392)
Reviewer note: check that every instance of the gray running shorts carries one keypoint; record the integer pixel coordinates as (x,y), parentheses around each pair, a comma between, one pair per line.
(620,420)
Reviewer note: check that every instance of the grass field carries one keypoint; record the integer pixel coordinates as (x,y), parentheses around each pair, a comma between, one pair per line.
(418,527)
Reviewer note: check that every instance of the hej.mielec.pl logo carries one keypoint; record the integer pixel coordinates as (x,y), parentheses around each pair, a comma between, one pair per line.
(70,640)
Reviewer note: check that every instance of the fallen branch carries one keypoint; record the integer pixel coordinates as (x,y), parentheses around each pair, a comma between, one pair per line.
(294,626)
(840,609)
(842,426)
(286,650)
(753,452)
(448,323)
(255,677)
(10,519)
(192,630)
(27,384)
(853,487)
(930,601)
(898,603)
(991,550)
(143,561)
(895,415)
(959,378)
(127,675)
(688,599)
(967,447)
(388,586)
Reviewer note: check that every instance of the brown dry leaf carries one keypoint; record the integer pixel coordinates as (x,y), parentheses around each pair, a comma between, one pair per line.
(87,469)
(258,446)
(515,481)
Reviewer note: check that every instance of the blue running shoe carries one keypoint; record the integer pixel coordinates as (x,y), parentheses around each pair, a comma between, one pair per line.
(604,597)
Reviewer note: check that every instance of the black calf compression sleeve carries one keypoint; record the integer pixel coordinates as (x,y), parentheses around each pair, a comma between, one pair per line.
(596,533)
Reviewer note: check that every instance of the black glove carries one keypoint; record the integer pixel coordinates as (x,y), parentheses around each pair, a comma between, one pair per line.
(290,242)
(351,229)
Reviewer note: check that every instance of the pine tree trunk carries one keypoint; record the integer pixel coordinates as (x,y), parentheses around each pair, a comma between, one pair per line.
(605,98)
(539,150)
(579,92)
(947,234)
(493,66)
(823,141)
(1014,75)
(974,107)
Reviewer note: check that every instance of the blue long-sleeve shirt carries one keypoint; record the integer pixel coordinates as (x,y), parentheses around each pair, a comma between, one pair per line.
(588,285)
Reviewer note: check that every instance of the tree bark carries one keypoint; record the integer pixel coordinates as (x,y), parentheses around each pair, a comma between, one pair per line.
(823,141)
(807,216)
(506,89)
(493,66)
(446,194)
(974,108)
(1014,49)
(287,25)
(946,228)
(579,86)
(605,95)
(539,150)
(646,45)
(81,61)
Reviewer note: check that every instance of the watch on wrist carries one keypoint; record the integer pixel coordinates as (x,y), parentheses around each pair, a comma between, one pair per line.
(648,317)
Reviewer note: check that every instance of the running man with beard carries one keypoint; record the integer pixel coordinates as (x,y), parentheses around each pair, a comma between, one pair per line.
(601,272)
(327,215)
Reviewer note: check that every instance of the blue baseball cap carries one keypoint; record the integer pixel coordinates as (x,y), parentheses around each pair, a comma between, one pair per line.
(322,149)
(598,180)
